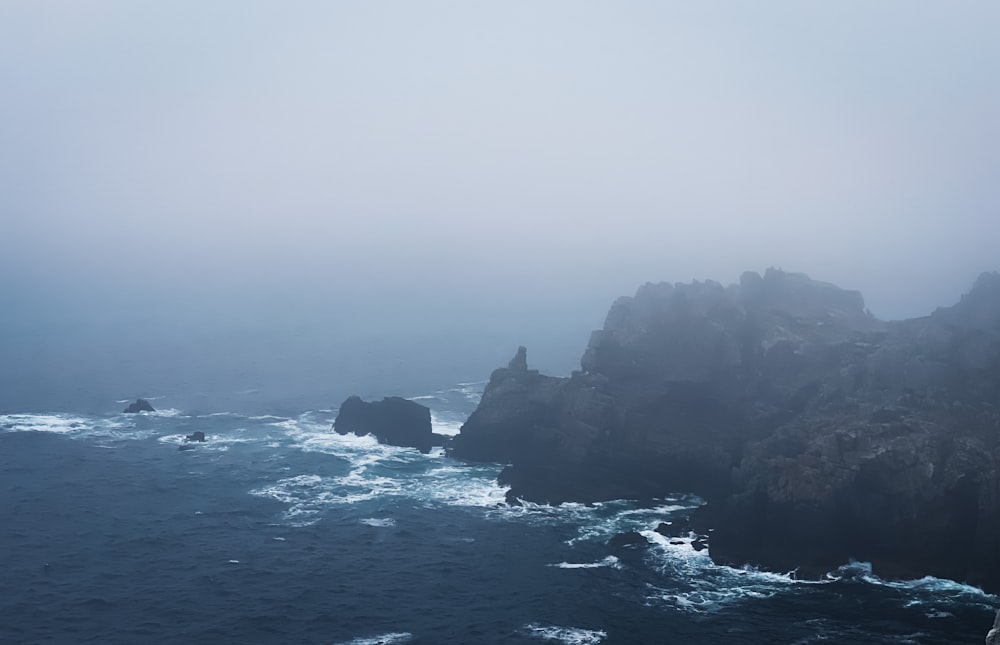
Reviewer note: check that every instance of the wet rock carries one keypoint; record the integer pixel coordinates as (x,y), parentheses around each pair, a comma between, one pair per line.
(198,436)
(393,420)
(815,432)
(993,637)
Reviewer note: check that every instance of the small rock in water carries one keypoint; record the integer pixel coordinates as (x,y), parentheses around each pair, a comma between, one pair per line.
(140,405)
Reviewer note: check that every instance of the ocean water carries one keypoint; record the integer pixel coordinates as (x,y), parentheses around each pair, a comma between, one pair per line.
(277,530)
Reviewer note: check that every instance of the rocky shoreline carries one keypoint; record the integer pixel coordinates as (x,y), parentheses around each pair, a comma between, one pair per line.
(816,432)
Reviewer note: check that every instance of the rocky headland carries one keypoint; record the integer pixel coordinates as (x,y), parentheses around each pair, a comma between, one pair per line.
(815,432)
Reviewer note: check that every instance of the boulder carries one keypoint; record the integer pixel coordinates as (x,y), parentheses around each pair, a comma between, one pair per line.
(393,420)
(195,436)
(815,432)
(140,405)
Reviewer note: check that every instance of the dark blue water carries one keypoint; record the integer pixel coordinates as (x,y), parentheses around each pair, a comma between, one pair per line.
(279,531)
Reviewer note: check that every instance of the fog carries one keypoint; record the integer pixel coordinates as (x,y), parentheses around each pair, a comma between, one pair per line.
(501,168)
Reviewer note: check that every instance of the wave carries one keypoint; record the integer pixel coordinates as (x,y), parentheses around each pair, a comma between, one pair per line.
(382,639)
(610,561)
(441,424)
(567,635)
(74,426)
(379,522)
(213,442)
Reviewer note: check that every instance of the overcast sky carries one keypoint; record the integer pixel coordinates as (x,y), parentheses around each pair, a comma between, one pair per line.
(496,153)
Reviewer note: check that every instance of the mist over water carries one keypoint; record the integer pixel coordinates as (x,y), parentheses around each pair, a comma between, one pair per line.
(247,211)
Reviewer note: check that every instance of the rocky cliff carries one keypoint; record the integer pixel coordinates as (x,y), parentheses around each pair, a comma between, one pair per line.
(815,432)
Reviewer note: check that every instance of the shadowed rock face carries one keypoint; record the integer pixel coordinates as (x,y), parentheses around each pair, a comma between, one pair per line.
(816,432)
(393,420)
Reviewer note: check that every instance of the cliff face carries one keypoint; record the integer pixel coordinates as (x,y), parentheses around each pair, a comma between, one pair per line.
(815,432)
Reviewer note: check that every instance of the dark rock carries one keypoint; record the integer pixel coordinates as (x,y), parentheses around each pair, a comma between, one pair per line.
(815,432)
(698,542)
(630,538)
(140,405)
(393,420)
(195,436)
(993,637)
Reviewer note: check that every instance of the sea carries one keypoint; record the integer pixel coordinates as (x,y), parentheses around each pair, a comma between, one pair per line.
(277,530)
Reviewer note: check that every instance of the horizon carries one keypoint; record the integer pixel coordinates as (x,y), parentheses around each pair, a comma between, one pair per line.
(457,165)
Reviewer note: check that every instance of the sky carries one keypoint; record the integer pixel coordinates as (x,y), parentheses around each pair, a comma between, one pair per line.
(463,163)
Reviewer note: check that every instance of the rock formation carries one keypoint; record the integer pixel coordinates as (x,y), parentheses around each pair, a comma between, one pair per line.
(198,436)
(815,432)
(393,420)
(993,637)
(140,405)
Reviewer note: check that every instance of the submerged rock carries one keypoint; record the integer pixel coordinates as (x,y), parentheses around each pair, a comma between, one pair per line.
(195,436)
(393,420)
(140,405)
(815,432)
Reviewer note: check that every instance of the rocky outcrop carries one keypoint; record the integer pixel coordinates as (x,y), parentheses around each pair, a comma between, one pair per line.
(140,405)
(197,436)
(815,432)
(393,420)
(993,637)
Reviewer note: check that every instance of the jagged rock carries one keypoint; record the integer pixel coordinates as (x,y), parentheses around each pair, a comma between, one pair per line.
(815,432)
(393,420)
(198,436)
(993,637)
(140,405)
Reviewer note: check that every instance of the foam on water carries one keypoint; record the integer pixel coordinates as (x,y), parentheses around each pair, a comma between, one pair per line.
(374,521)
(445,424)
(59,423)
(567,635)
(78,427)
(610,561)
(382,639)
(164,412)
(927,591)
(472,391)
(213,442)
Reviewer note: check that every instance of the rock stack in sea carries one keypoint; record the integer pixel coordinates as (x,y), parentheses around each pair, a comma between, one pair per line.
(816,432)
(140,405)
(393,420)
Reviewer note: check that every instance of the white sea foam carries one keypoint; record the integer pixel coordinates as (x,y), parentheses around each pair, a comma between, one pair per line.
(567,635)
(382,639)
(58,423)
(213,442)
(610,561)
(442,424)
(308,496)
(164,412)
(472,391)
(375,521)
(72,426)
